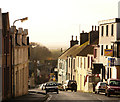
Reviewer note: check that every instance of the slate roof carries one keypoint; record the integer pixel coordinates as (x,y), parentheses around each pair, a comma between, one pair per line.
(89,49)
(73,51)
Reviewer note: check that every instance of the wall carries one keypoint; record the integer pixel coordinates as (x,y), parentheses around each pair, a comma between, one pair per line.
(0,56)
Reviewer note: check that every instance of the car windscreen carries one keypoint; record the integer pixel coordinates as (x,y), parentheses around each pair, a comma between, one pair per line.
(114,83)
(52,84)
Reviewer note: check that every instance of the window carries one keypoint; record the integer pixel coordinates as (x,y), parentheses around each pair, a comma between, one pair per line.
(95,53)
(111,47)
(69,62)
(88,61)
(106,46)
(84,63)
(74,64)
(118,50)
(78,61)
(107,30)
(91,61)
(102,31)
(112,28)
(110,73)
(101,49)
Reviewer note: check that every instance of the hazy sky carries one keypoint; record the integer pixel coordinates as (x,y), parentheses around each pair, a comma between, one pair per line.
(53,22)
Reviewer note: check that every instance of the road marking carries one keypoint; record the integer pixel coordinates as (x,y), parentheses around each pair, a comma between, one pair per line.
(49,98)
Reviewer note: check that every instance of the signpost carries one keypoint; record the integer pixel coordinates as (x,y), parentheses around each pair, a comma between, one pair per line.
(0,56)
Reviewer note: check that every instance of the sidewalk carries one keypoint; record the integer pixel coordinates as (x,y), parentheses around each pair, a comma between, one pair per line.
(34,95)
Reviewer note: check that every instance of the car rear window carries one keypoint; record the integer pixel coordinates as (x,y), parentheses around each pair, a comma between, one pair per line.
(102,83)
(114,83)
(52,84)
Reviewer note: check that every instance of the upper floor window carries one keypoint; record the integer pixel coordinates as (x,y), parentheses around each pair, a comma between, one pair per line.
(84,63)
(112,30)
(69,62)
(106,46)
(107,30)
(102,30)
(88,61)
(101,49)
(95,53)
(111,47)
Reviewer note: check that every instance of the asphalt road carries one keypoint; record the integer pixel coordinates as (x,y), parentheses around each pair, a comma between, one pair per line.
(80,96)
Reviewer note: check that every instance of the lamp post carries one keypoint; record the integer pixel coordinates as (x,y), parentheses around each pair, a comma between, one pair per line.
(13,30)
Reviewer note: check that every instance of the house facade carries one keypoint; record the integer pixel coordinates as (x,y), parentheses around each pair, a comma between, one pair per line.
(108,61)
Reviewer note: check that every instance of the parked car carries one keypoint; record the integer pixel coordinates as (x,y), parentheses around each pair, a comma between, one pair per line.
(113,87)
(60,87)
(42,86)
(100,87)
(70,85)
(51,87)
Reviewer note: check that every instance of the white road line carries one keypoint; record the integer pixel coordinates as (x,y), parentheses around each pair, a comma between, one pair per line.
(49,98)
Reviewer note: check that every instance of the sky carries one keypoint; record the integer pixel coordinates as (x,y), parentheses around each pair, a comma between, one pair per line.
(53,22)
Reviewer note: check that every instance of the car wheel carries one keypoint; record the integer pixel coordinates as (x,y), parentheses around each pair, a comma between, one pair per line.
(108,94)
(66,89)
(105,94)
(95,92)
(57,92)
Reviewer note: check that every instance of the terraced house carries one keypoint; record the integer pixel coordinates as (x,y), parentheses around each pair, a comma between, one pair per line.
(107,52)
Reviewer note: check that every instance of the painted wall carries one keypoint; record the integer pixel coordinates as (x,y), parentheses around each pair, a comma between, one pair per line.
(0,56)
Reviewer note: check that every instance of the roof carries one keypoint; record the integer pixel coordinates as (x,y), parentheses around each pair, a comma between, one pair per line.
(73,51)
(87,50)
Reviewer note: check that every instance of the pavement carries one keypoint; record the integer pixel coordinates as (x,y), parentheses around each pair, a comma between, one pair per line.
(34,95)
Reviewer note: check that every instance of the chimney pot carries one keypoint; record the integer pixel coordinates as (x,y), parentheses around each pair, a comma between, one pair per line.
(72,37)
(83,31)
(92,27)
(76,37)
(95,28)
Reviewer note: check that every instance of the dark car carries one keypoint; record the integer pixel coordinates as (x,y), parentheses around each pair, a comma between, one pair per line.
(51,87)
(70,85)
(100,87)
(113,87)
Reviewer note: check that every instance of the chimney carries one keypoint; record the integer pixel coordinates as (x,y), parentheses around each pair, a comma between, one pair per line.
(73,42)
(83,38)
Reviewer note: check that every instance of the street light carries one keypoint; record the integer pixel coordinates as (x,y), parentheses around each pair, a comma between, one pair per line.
(22,20)
(13,46)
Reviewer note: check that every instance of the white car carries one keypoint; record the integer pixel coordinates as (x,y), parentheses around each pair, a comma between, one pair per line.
(100,87)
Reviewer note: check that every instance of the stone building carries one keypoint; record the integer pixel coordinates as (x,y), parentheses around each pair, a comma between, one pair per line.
(6,57)
(20,46)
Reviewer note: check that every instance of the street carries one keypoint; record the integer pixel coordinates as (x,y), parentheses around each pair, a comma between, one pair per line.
(80,96)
